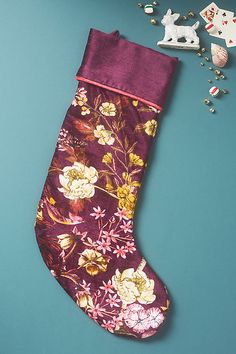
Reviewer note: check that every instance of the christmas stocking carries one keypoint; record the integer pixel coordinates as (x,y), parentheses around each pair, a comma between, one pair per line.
(84,224)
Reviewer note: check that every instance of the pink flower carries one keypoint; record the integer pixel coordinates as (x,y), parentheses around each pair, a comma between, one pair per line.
(113,301)
(120,251)
(117,321)
(122,214)
(107,287)
(110,235)
(96,311)
(141,320)
(156,317)
(108,325)
(98,213)
(104,245)
(130,247)
(136,318)
(127,226)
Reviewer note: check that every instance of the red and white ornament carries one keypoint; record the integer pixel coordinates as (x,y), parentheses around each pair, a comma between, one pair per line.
(214,91)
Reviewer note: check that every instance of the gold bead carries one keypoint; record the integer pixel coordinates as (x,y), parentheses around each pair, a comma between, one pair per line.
(217,72)
(153,21)
(191,14)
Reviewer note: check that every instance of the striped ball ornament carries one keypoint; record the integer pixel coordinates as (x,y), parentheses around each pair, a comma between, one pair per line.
(214,91)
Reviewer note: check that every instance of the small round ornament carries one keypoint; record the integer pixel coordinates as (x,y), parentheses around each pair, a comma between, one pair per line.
(207,101)
(214,91)
(212,110)
(153,21)
(219,55)
(148,9)
(217,72)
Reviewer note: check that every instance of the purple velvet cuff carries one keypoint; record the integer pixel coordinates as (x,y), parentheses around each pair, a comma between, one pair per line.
(127,68)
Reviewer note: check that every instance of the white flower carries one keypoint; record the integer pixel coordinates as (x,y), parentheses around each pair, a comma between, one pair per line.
(108,109)
(104,136)
(133,286)
(78,181)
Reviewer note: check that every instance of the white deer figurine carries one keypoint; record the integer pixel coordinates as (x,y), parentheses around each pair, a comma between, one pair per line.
(174,32)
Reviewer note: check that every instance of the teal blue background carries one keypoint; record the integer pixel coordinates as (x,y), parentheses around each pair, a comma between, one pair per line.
(185,222)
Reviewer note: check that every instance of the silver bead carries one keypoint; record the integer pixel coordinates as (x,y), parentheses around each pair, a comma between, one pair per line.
(199,54)
(140,4)
(212,110)
(206,101)
(207,59)
(203,50)
(210,81)
(217,78)
(155,3)
(210,68)
(202,64)
(225,91)
(222,76)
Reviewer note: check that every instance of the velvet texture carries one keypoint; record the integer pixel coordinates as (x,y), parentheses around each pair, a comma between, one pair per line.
(132,69)
(84,224)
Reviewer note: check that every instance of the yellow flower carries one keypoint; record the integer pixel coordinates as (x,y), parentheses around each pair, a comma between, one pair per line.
(135,103)
(78,181)
(93,261)
(150,127)
(127,199)
(65,241)
(133,286)
(85,110)
(107,158)
(81,100)
(135,159)
(108,109)
(85,301)
(104,136)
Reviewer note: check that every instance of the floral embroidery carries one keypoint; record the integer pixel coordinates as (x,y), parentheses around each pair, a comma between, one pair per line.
(141,320)
(93,262)
(133,286)
(104,136)
(78,181)
(117,298)
(150,127)
(108,109)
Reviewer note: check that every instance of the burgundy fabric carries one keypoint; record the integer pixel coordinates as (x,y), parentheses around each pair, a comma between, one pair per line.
(132,68)
(84,224)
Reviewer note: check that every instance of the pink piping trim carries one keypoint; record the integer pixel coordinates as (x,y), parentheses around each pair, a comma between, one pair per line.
(80,78)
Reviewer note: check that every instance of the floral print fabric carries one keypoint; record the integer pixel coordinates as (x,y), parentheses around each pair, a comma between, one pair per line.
(84,224)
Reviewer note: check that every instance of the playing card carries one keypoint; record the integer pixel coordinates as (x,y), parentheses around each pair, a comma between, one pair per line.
(231,33)
(220,21)
(209,12)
